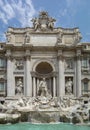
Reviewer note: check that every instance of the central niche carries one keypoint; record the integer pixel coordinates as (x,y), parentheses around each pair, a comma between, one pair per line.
(44,68)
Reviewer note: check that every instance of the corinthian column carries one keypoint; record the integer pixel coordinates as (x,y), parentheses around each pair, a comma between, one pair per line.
(61,74)
(10,78)
(54,87)
(34,87)
(28,78)
(78,76)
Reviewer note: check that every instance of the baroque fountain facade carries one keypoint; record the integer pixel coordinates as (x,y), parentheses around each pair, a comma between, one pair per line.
(45,74)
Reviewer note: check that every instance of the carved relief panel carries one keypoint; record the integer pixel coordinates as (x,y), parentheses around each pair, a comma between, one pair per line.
(19,39)
(19,64)
(69,63)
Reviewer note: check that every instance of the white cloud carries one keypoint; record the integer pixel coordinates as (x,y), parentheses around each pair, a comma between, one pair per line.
(22,10)
(3,17)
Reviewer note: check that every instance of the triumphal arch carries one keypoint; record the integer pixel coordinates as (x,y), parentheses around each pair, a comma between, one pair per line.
(44,51)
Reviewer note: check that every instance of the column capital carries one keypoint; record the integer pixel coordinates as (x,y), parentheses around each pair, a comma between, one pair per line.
(78,52)
(9,57)
(28,57)
(28,54)
(60,55)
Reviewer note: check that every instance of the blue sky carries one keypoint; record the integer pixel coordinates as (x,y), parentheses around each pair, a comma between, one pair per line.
(68,14)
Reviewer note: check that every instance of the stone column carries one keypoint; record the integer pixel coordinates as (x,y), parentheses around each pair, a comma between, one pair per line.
(28,77)
(78,74)
(61,74)
(10,78)
(37,85)
(34,87)
(74,79)
(54,87)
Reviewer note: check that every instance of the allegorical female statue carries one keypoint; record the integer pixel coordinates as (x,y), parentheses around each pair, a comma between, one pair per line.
(19,87)
(68,86)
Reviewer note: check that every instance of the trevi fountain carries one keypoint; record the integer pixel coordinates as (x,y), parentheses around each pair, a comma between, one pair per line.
(44,82)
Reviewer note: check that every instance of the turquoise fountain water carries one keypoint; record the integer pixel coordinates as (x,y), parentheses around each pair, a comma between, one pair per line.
(28,126)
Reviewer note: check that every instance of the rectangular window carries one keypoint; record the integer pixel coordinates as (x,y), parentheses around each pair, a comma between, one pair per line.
(85,86)
(1,86)
(85,63)
(2,62)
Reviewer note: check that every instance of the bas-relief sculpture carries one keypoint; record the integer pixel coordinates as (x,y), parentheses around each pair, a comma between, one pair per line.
(68,64)
(19,64)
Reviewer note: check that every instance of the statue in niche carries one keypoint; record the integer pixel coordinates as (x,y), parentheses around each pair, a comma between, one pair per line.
(19,64)
(68,86)
(19,87)
(42,89)
(27,37)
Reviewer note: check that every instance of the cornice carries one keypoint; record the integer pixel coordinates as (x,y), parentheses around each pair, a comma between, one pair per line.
(36,74)
(8,46)
(55,31)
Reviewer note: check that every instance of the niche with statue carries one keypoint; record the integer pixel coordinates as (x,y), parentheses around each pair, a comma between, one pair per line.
(19,87)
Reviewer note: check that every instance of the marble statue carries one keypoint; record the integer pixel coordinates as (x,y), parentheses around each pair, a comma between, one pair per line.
(17,110)
(44,22)
(68,86)
(8,38)
(42,88)
(51,23)
(44,96)
(19,87)
(36,23)
(27,37)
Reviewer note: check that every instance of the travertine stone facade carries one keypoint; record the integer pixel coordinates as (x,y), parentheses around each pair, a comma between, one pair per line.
(43,51)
